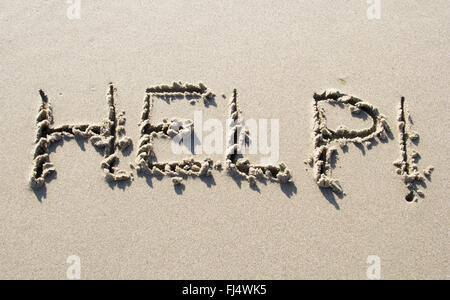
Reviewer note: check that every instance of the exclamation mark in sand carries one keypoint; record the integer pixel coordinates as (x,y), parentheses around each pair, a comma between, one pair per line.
(407,165)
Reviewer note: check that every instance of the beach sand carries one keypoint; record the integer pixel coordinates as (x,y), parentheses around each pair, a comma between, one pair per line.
(277,55)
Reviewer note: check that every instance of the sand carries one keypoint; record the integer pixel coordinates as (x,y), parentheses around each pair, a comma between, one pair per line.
(78,175)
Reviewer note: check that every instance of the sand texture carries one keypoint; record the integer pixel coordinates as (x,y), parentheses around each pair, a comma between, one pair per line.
(91,106)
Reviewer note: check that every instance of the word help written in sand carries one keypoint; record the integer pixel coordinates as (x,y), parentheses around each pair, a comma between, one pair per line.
(109,137)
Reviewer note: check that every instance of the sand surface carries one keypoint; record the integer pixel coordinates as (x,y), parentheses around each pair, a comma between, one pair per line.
(277,54)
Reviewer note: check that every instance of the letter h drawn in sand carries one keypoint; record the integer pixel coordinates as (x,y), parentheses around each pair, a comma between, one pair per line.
(108,137)
(326,139)
(179,130)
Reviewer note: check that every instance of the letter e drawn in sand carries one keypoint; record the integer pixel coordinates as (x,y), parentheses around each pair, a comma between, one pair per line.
(182,130)
(109,137)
